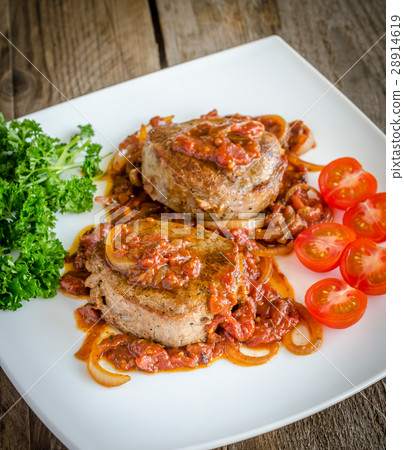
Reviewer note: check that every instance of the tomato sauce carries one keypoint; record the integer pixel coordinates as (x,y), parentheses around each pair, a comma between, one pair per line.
(72,282)
(89,320)
(126,352)
(228,143)
(154,260)
(261,317)
(298,135)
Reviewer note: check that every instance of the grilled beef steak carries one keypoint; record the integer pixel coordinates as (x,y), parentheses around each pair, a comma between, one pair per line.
(213,166)
(176,316)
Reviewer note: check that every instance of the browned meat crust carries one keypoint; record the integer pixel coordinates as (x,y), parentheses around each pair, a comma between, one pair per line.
(187,184)
(172,317)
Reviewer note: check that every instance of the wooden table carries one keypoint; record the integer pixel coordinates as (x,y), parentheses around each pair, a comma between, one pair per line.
(82,46)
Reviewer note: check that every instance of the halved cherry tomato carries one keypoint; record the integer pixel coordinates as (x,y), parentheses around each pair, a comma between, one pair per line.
(320,246)
(368,219)
(344,183)
(334,303)
(363,265)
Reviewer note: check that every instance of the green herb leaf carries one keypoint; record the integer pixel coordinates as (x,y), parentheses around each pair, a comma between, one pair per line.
(31,193)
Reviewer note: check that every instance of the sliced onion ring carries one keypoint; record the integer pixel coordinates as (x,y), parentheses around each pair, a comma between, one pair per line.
(102,376)
(315,330)
(234,355)
(277,121)
(308,143)
(119,160)
(233,224)
(121,263)
(316,196)
(296,161)
(267,270)
(279,282)
(274,251)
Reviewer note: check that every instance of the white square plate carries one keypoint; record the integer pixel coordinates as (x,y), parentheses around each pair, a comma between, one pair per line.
(223,403)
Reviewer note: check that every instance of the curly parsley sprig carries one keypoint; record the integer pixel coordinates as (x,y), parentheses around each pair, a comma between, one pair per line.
(31,193)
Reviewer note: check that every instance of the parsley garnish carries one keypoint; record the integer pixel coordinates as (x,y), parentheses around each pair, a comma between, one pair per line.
(31,193)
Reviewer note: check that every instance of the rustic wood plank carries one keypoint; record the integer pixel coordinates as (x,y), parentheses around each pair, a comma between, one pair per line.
(192,29)
(41,437)
(14,427)
(350,424)
(6,81)
(79,46)
(332,35)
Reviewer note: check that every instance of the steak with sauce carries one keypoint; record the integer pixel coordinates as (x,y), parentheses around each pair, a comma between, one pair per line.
(191,183)
(172,317)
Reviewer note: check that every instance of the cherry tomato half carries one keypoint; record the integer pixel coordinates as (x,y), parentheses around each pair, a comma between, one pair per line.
(363,265)
(368,219)
(320,246)
(334,303)
(344,183)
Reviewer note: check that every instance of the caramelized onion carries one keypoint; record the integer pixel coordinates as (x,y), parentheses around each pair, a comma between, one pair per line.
(119,160)
(308,143)
(121,263)
(316,333)
(274,251)
(135,177)
(296,161)
(102,376)
(143,132)
(276,125)
(234,224)
(266,271)
(311,192)
(234,355)
(279,282)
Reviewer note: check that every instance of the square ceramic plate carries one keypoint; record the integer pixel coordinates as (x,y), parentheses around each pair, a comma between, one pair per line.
(223,403)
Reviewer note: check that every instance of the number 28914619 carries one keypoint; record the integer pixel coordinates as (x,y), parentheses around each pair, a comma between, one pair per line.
(395,33)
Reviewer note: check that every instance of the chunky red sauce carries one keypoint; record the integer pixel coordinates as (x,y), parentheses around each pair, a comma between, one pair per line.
(131,148)
(261,316)
(157,261)
(126,352)
(298,134)
(72,283)
(273,124)
(228,142)
(89,320)
(73,280)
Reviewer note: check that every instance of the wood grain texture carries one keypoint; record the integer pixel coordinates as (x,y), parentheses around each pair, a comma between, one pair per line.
(192,29)
(6,79)
(79,46)
(332,35)
(84,46)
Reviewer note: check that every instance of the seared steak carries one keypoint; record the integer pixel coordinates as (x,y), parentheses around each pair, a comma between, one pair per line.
(194,183)
(173,317)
